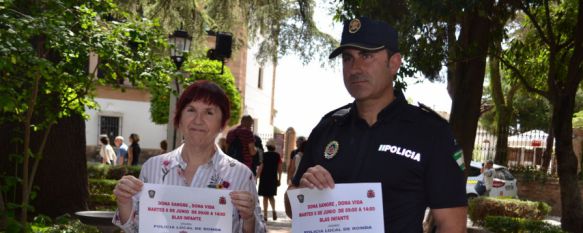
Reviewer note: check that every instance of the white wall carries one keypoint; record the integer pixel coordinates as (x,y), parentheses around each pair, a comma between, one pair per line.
(135,118)
(258,100)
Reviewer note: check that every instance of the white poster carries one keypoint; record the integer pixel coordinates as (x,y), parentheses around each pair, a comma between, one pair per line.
(354,207)
(166,208)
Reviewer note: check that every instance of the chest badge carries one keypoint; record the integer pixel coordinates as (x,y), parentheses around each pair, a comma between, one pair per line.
(331,150)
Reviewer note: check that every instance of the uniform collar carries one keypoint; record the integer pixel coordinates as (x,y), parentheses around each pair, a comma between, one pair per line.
(387,112)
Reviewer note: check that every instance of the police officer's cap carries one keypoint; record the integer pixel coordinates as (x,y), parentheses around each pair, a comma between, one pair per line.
(366,34)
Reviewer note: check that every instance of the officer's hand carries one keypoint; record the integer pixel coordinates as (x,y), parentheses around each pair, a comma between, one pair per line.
(317,177)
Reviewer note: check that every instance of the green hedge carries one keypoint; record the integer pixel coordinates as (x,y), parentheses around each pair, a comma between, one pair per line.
(101,185)
(62,224)
(481,207)
(502,224)
(104,171)
(102,181)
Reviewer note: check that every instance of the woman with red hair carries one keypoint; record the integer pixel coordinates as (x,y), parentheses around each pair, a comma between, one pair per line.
(201,114)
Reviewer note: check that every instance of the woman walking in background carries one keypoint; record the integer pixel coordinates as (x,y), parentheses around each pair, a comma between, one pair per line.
(269,173)
(106,152)
(134,150)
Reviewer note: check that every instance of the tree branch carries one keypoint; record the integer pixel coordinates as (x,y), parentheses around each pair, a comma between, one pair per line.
(534,21)
(38,156)
(26,147)
(522,79)
(575,69)
(549,23)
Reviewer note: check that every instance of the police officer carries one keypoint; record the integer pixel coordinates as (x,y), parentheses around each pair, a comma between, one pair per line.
(381,138)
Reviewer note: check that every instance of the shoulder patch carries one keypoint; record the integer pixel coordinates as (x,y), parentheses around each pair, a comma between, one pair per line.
(458,157)
(431,112)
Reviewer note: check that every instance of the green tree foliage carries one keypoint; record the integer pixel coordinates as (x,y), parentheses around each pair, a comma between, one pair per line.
(44,52)
(530,111)
(546,55)
(198,69)
(578,120)
(277,27)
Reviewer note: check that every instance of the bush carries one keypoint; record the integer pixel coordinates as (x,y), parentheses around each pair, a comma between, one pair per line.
(116,172)
(104,171)
(101,194)
(63,224)
(503,224)
(102,201)
(97,170)
(530,174)
(102,181)
(101,185)
(134,170)
(481,207)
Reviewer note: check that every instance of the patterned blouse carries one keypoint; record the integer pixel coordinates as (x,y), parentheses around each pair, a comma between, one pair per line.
(221,172)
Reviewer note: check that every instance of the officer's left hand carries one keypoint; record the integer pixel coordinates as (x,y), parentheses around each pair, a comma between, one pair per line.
(317,177)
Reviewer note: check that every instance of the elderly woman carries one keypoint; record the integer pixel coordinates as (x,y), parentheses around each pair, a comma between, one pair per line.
(201,114)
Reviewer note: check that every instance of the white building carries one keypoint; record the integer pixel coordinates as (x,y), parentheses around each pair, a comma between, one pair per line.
(124,113)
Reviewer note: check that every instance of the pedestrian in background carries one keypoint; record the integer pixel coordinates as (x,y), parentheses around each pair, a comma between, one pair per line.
(134,150)
(121,150)
(258,157)
(106,151)
(163,146)
(488,176)
(295,158)
(241,142)
(269,173)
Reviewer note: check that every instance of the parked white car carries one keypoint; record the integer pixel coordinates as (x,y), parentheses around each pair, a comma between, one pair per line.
(504,185)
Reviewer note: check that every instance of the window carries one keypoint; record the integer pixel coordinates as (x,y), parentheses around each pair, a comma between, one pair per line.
(260,78)
(109,125)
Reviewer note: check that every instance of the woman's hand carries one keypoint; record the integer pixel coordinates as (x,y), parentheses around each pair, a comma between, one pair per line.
(244,202)
(126,188)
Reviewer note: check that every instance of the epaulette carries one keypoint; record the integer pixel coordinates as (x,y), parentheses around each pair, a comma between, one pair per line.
(335,115)
(339,112)
(431,112)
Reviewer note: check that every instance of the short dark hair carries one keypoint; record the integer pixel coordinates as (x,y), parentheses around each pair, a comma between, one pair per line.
(104,140)
(164,144)
(208,92)
(270,147)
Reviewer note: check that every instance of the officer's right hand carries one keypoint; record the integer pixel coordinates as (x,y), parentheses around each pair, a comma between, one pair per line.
(317,177)
(125,189)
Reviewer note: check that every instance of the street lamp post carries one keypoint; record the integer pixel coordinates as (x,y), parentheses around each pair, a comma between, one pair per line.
(179,45)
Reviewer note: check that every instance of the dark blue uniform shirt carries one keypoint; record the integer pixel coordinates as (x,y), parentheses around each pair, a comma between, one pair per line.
(409,150)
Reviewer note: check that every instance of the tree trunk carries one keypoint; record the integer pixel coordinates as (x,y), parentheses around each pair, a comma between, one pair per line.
(572,208)
(63,165)
(469,78)
(563,108)
(503,107)
(547,154)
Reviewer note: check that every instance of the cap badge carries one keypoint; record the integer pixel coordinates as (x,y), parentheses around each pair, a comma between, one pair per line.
(354,26)
(331,150)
